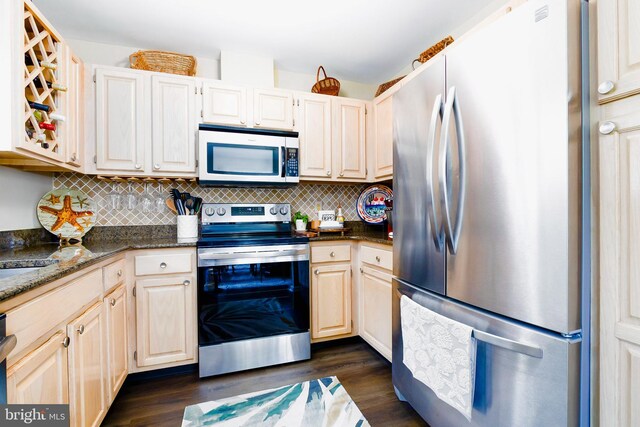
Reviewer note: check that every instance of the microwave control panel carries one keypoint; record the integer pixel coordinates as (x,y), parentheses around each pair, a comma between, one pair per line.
(292,162)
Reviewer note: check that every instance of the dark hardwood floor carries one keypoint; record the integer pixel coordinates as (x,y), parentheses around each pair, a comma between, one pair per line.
(364,373)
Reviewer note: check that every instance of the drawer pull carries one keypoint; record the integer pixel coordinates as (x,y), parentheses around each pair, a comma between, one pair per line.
(186,282)
(316,272)
(163,265)
(119,273)
(377,259)
(332,254)
(66,341)
(80,329)
(113,302)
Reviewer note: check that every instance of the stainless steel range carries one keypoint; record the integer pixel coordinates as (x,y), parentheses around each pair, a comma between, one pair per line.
(253,288)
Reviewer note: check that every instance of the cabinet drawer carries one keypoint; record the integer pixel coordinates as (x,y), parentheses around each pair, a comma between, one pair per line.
(331,253)
(376,256)
(113,274)
(166,263)
(32,320)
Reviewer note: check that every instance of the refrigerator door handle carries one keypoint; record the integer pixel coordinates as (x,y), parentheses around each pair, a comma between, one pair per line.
(452,233)
(508,344)
(436,230)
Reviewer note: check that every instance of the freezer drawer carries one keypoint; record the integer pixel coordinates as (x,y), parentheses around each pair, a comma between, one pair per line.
(524,377)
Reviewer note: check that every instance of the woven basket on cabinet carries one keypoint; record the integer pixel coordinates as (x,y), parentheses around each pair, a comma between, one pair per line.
(164,62)
(326,86)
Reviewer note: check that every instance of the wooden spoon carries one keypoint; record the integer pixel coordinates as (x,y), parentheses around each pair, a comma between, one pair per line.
(171,205)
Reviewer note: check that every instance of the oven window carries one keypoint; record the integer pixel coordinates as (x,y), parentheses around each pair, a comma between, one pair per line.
(232,159)
(252,300)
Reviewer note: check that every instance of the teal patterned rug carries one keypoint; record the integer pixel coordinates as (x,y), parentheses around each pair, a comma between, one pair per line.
(316,403)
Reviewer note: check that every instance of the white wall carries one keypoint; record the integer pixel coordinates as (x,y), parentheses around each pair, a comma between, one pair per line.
(22,191)
(118,56)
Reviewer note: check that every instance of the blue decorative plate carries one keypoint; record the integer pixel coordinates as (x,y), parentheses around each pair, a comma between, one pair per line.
(370,205)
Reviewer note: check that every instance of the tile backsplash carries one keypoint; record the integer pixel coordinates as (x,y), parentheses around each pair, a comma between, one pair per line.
(303,197)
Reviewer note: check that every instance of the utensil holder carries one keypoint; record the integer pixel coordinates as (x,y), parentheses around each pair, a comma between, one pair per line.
(187,226)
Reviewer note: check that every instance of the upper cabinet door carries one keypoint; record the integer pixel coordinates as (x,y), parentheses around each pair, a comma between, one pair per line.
(75,134)
(349,138)
(618,49)
(383,137)
(314,126)
(223,104)
(121,121)
(174,124)
(273,109)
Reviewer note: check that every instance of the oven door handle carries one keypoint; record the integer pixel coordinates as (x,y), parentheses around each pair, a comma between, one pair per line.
(220,259)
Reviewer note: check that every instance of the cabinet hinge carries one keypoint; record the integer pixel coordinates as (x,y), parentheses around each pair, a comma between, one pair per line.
(351,323)
(298,103)
(196,162)
(201,91)
(95,159)
(134,292)
(135,356)
(294,122)
(196,88)
(94,78)
(293,102)
(365,111)
(202,113)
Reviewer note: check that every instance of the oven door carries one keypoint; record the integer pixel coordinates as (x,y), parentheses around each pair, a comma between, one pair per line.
(252,292)
(241,158)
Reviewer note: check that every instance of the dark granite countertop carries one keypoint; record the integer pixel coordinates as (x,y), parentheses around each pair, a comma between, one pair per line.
(32,248)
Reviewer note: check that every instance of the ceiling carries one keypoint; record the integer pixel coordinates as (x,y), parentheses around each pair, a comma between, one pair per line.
(362,40)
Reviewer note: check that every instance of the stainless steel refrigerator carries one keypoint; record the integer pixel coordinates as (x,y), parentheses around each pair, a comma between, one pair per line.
(488,214)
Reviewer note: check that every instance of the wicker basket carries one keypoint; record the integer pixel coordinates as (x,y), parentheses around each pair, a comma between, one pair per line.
(385,86)
(434,50)
(164,62)
(326,86)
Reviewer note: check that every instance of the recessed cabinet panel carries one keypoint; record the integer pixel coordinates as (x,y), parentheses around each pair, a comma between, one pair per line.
(330,300)
(383,137)
(314,127)
(223,104)
(273,109)
(174,124)
(116,307)
(75,129)
(376,310)
(120,120)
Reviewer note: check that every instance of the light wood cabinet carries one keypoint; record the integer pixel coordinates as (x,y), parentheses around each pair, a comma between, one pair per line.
(117,340)
(174,124)
(122,124)
(375,325)
(382,150)
(619,273)
(618,49)
(223,104)
(349,130)
(75,108)
(330,300)
(41,377)
(165,320)
(273,109)
(314,128)
(88,367)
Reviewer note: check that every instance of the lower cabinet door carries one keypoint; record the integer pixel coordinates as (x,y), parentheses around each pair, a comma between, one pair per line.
(42,376)
(165,320)
(376,310)
(88,367)
(330,300)
(116,305)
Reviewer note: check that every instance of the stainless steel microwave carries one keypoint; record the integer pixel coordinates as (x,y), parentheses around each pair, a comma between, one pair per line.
(244,156)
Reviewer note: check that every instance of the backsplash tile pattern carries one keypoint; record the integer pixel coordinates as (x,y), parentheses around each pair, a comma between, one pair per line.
(303,197)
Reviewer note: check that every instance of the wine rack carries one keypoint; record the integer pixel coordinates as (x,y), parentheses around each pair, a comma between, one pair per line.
(43,88)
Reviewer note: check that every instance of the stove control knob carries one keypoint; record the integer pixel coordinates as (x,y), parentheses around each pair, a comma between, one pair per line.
(209,211)
(273,210)
(222,211)
(284,210)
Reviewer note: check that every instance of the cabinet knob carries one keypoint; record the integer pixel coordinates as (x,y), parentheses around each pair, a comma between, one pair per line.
(316,272)
(607,127)
(119,273)
(242,122)
(156,166)
(257,123)
(341,173)
(163,265)
(605,87)
(113,302)
(80,329)
(328,173)
(377,259)
(66,341)
(186,282)
(138,166)
(332,254)
(73,157)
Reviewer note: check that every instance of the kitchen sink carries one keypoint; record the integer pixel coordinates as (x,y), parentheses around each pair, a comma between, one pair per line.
(10,272)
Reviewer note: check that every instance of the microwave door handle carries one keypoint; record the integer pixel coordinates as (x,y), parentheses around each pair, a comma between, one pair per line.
(283,153)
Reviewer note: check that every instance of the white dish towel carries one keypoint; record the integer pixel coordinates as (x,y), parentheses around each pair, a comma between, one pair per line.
(440,353)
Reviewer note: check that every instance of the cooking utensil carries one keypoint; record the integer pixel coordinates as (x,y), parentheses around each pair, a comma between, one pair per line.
(171,205)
